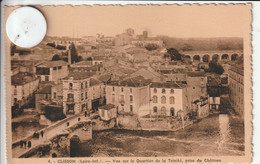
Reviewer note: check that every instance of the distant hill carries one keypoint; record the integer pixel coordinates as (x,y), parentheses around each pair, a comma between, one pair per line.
(203,44)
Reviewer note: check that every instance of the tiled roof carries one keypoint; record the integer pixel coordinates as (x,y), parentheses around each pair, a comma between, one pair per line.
(98,57)
(79,75)
(22,78)
(196,74)
(94,82)
(50,64)
(107,106)
(167,85)
(132,82)
(82,63)
(45,90)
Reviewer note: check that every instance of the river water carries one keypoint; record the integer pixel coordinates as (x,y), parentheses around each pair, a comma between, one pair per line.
(212,136)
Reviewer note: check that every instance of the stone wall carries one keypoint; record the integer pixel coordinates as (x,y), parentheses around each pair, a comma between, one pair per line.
(129,122)
(98,124)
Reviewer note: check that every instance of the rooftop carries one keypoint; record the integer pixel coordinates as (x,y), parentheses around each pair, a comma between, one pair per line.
(94,82)
(22,78)
(138,81)
(45,90)
(82,63)
(196,74)
(79,75)
(51,64)
(107,106)
(168,85)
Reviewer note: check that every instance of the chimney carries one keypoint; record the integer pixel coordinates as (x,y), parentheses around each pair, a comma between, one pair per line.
(69,56)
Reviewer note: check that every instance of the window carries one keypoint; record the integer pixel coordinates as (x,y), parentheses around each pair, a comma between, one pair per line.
(122,89)
(154,90)
(172,91)
(81,84)
(155,99)
(46,78)
(163,90)
(122,98)
(70,96)
(131,108)
(59,67)
(172,100)
(46,96)
(70,85)
(113,88)
(241,90)
(54,95)
(86,95)
(193,87)
(163,111)
(130,90)
(131,98)
(86,84)
(155,109)
(163,100)
(81,96)
(113,98)
(172,111)
(54,68)
(103,113)
(82,107)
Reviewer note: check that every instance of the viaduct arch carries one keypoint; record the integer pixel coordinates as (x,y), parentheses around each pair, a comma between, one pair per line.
(206,56)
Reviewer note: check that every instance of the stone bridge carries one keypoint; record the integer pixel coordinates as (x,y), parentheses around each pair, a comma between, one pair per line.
(206,56)
(56,137)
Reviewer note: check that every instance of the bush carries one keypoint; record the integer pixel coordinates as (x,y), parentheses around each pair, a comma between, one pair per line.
(151,47)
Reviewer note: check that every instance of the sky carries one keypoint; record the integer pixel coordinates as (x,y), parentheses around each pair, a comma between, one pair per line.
(171,20)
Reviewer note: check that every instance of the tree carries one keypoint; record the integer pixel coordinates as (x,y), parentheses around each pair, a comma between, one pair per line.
(56,57)
(174,54)
(215,67)
(151,47)
(74,54)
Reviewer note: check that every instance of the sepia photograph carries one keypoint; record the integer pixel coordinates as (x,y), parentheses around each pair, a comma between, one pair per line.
(134,81)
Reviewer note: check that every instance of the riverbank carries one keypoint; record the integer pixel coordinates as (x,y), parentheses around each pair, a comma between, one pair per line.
(214,136)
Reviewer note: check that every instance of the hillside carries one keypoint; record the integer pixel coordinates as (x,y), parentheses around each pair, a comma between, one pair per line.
(203,44)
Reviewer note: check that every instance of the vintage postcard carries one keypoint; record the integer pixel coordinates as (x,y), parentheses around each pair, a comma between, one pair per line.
(132,84)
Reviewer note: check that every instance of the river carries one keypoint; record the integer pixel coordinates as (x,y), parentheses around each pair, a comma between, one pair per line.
(216,135)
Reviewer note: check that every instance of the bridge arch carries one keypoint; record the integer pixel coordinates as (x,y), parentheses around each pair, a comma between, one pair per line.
(74,145)
(234,57)
(225,57)
(54,155)
(196,58)
(187,58)
(215,57)
(205,58)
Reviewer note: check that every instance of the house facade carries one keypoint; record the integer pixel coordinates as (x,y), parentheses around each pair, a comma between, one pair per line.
(129,96)
(236,87)
(23,86)
(81,92)
(51,70)
(168,98)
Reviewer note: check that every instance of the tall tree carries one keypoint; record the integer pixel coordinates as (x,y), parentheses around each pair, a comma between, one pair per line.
(174,54)
(74,54)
